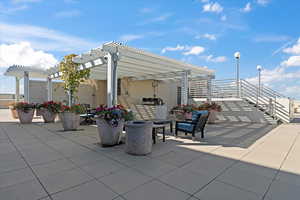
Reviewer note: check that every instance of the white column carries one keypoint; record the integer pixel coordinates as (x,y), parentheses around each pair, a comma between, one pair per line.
(26,87)
(17,89)
(184,88)
(111,78)
(49,89)
(209,88)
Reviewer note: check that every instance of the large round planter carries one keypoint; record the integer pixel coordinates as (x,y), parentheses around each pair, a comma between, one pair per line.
(70,121)
(25,117)
(13,112)
(139,137)
(109,135)
(49,117)
(212,117)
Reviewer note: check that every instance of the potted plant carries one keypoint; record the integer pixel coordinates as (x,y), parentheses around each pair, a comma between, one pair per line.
(110,123)
(72,77)
(25,111)
(13,110)
(183,112)
(48,110)
(70,116)
(213,108)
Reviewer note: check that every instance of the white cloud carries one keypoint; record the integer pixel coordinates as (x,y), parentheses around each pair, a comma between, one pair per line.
(11,10)
(25,1)
(247,7)
(293,61)
(195,50)
(146,10)
(213,7)
(224,18)
(43,38)
(207,36)
(130,37)
(177,48)
(295,49)
(23,54)
(204,1)
(161,18)
(271,38)
(263,2)
(67,14)
(218,59)
(71,1)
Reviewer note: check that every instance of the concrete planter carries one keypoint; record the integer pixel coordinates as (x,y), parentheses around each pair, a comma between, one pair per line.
(161,112)
(139,137)
(108,134)
(212,117)
(70,121)
(25,117)
(13,112)
(49,117)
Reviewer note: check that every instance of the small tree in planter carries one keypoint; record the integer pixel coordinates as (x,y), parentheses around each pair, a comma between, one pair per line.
(72,77)
(49,110)
(25,111)
(110,123)
(213,108)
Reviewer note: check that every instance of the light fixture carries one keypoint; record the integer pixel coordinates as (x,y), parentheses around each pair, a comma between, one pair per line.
(259,67)
(237,55)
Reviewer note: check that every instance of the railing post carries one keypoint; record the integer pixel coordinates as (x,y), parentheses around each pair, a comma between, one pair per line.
(26,87)
(184,88)
(209,88)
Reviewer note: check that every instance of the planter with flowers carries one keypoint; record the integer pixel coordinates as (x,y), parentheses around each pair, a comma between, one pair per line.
(213,109)
(48,110)
(72,77)
(70,116)
(183,112)
(110,123)
(25,111)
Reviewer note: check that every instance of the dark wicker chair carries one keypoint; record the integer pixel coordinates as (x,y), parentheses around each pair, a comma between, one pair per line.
(88,115)
(196,124)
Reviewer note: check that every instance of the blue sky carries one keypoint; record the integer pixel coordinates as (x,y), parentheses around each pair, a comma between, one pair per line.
(201,32)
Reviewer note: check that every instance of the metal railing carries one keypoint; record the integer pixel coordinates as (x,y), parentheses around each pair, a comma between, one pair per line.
(267,100)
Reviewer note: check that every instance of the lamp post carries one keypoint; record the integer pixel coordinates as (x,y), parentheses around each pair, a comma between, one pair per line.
(259,68)
(237,56)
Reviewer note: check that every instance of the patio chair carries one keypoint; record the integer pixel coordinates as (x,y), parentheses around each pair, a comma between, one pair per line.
(196,124)
(88,115)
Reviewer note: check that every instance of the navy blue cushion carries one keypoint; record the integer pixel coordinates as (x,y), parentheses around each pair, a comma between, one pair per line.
(185,126)
(196,113)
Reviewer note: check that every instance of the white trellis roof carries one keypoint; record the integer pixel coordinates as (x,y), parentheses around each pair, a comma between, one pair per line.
(18,71)
(134,63)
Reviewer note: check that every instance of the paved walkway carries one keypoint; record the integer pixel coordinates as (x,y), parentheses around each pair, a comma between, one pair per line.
(234,162)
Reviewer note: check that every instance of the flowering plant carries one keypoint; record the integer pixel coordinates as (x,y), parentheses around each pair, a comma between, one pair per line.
(210,106)
(76,108)
(24,106)
(183,108)
(51,106)
(114,114)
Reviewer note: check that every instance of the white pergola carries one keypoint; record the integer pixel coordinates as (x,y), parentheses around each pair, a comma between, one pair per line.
(114,60)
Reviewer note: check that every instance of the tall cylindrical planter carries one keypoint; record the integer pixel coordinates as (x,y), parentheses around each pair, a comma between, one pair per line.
(161,112)
(70,121)
(139,137)
(49,117)
(109,135)
(212,117)
(25,117)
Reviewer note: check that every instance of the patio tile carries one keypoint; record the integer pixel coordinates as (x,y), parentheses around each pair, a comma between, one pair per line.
(6,147)
(40,156)
(209,165)
(222,191)
(185,180)
(11,178)
(102,167)
(155,190)
(23,191)
(154,168)
(283,190)
(246,179)
(90,191)
(125,180)
(87,157)
(128,159)
(289,177)
(179,157)
(10,162)
(52,167)
(64,180)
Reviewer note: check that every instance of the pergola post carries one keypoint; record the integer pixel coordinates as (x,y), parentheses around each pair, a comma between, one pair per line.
(209,88)
(111,77)
(17,97)
(184,88)
(49,89)
(26,87)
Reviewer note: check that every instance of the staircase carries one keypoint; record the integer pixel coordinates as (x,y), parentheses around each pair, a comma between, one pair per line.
(244,101)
